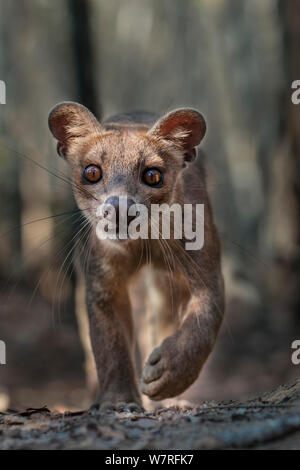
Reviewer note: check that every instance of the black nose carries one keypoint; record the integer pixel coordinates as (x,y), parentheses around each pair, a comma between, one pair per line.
(116,202)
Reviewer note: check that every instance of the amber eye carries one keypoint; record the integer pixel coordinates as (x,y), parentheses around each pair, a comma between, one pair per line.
(92,174)
(153,177)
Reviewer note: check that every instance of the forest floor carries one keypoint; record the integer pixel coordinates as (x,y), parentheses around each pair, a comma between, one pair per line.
(271,421)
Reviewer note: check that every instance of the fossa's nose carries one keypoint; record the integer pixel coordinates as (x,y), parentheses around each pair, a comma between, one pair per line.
(116,202)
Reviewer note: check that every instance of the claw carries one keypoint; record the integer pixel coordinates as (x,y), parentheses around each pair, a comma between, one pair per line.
(152,372)
(154,357)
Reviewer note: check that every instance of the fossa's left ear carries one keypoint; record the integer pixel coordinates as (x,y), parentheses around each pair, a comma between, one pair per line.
(183,127)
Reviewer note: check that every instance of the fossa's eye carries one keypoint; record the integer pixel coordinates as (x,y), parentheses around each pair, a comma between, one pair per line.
(92,174)
(153,177)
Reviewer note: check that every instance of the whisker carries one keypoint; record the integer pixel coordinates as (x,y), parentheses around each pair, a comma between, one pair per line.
(245,250)
(167,263)
(26,258)
(69,263)
(60,176)
(40,220)
(47,271)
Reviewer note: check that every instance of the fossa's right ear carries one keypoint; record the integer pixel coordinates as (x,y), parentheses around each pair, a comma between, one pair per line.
(69,122)
(184,127)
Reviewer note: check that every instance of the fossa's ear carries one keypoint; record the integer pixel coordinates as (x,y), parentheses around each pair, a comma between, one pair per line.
(184,127)
(69,122)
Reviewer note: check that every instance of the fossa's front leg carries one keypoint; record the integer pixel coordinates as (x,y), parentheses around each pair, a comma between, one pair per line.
(177,362)
(111,330)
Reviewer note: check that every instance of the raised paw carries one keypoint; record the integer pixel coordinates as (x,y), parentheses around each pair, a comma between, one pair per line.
(168,372)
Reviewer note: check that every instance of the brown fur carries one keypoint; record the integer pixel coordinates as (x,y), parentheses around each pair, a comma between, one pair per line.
(195,297)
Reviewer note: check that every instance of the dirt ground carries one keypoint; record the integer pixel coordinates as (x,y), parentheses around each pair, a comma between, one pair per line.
(271,421)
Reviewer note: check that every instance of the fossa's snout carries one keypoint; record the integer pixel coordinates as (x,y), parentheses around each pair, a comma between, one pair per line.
(115,204)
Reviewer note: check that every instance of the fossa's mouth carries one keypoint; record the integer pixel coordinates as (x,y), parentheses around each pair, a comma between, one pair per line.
(167,222)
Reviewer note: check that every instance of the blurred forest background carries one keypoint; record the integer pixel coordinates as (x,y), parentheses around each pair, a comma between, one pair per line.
(234,60)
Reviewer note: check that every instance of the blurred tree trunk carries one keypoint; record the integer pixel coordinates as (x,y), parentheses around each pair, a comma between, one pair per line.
(84,56)
(10,211)
(33,61)
(292,129)
(285,177)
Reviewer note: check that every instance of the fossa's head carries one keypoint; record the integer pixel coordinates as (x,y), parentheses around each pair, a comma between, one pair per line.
(124,160)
